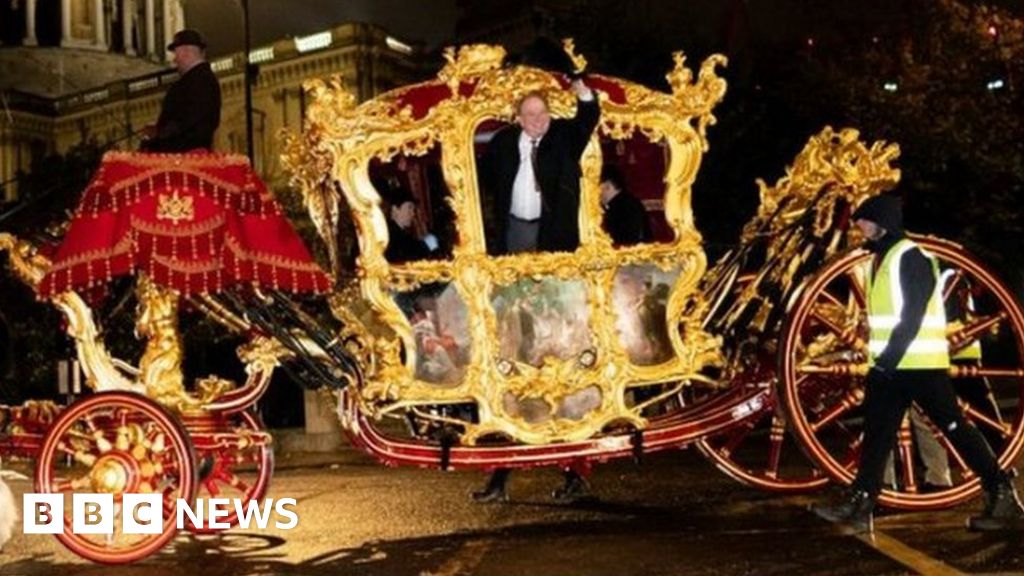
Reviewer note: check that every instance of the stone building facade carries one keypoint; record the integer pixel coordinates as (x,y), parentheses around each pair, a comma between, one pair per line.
(47,119)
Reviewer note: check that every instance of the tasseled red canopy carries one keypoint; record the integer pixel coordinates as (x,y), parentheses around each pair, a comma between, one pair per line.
(197,223)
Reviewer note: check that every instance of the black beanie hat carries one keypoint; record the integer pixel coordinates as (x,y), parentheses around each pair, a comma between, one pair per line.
(884,210)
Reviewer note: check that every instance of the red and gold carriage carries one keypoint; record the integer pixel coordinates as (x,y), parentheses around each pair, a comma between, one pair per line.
(476,360)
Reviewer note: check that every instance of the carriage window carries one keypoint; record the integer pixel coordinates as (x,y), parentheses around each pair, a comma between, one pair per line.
(633,190)
(438,316)
(421,224)
(640,298)
(530,178)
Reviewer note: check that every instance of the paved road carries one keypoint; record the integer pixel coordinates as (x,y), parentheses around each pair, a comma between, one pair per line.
(675,514)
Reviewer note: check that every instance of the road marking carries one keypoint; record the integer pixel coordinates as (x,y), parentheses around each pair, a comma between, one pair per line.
(465,560)
(910,557)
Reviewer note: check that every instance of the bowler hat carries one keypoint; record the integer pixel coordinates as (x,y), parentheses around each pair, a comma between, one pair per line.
(186,37)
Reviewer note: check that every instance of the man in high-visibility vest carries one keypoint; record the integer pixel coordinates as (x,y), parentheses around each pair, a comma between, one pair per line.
(909,363)
(975,390)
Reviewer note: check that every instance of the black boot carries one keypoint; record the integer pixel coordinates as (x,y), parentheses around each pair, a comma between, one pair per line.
(852,513)
(1003,510)
(495,490)
(575,489)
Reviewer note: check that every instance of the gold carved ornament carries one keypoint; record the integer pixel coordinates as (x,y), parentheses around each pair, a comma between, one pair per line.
(158,375)
(175,208)
(345,138)
(102,371)
(831,175)
(835,160)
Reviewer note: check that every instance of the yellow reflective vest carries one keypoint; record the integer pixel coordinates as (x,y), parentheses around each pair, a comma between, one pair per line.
(929,349)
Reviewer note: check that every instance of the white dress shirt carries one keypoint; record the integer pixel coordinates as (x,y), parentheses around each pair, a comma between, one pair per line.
(526,199)
(526,203)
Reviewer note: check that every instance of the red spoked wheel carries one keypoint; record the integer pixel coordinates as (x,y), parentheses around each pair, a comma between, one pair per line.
(759,451)
(236,461)
(117,443)
(823,351)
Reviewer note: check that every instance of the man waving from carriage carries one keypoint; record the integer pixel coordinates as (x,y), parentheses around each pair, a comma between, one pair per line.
(532,170)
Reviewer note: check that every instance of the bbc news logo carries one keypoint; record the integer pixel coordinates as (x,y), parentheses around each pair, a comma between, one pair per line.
(144,513)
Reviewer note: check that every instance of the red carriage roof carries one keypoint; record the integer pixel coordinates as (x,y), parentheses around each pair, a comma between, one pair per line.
(197,223)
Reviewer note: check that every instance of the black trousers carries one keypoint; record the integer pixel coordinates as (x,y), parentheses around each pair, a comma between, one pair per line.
(521,235)
(885,403)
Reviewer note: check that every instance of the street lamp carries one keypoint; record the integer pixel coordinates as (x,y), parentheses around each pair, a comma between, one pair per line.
(249,148)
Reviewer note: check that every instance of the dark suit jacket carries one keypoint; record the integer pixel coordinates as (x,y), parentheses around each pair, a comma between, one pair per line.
(403,246)
(625,220)
(190,113)
(558,173)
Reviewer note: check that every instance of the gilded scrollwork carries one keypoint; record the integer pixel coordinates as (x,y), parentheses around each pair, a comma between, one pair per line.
(159,375)
(835,161)
(102,372)
(160,366)
(27,263)
(343,139)
(262,354)
(698,99)
(469,61)
(798,225)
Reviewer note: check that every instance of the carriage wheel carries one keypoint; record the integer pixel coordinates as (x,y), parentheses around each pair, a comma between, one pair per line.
(117,442)
(759,451)
(235,472)
(825,339)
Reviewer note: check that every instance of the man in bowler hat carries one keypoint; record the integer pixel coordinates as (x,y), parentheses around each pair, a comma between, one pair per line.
(190,112)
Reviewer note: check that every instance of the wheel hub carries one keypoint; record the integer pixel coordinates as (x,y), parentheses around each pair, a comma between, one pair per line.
(114,474)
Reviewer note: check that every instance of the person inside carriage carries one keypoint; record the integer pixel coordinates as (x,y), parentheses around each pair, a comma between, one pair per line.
(625,218)
(403,243)
(190,111)
(626,221)
(531,169)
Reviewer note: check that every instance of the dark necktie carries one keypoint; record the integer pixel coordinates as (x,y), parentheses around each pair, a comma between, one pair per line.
(533,163)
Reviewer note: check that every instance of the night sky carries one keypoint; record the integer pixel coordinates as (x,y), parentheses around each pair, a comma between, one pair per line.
(433,22)
(429,21)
